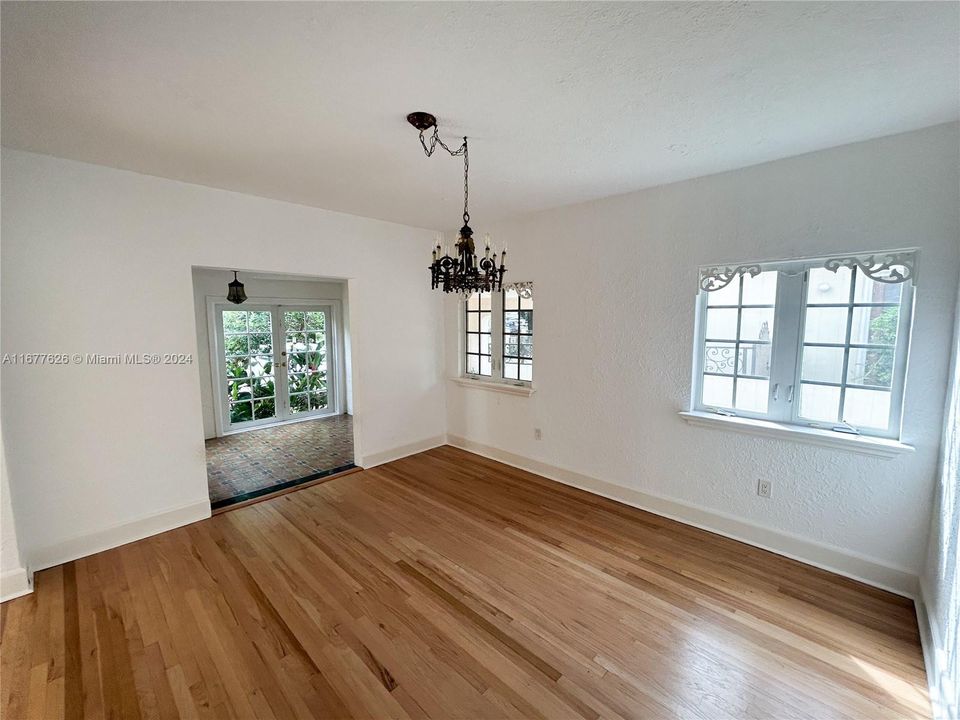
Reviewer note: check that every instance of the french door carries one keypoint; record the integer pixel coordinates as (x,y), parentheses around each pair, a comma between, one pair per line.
(277,363)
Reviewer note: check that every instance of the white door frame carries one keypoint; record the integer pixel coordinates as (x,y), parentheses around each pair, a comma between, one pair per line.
(336,372)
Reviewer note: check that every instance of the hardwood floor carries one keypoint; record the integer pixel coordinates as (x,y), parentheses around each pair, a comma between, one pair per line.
(445,585)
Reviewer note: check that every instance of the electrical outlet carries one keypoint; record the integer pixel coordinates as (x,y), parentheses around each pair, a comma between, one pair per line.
(537,434)
(763,488)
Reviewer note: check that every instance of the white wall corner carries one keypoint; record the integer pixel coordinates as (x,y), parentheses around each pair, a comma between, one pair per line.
(827,557)
(14,583)
(15,578)
(379,458)
(119,534)
(934,658)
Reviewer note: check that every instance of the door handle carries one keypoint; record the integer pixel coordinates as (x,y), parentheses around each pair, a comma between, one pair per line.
(790,394)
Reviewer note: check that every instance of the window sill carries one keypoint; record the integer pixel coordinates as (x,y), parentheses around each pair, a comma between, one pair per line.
(880,447)
(494,386)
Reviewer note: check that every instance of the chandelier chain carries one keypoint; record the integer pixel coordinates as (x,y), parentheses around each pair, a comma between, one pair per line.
(431,146)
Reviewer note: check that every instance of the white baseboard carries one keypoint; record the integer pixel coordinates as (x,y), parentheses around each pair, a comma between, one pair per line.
(827,557)
(374,459)
(934,657)
(14,583)
(119,534)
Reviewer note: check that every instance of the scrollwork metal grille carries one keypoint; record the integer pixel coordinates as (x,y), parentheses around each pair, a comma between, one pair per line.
(720,360)
(717,277)
(523,289)
(891,268)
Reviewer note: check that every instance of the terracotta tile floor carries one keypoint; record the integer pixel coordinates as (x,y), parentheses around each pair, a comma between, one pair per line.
(259,459)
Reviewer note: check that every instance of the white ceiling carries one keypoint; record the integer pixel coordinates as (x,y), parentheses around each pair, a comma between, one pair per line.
(563,102)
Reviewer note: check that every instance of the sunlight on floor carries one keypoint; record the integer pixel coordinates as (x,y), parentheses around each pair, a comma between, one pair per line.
(912,695)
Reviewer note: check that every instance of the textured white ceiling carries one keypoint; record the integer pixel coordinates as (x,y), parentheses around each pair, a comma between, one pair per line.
(563,102)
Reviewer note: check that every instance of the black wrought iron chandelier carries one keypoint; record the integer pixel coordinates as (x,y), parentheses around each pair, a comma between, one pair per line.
(466,272)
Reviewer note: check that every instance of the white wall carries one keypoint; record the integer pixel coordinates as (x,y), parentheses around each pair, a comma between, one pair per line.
(208,282)
(14,579)
(97,260)
(941,576)
(615,286)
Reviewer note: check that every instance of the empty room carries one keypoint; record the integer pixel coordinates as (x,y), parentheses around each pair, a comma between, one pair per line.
(480,360)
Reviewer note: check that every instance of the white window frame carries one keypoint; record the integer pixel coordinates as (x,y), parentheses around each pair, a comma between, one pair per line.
(496,346)
(783,401)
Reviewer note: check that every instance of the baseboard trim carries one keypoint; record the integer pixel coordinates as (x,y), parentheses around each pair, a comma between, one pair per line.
(374,459)
(826,557)
(119,534)
(934,658)
(14,583)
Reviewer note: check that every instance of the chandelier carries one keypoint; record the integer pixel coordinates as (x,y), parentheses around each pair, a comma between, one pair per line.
(466,272)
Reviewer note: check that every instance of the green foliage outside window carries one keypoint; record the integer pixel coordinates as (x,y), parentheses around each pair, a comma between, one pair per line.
(883,331)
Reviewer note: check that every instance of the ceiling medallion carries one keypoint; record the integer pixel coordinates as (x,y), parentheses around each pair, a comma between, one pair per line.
(466,272)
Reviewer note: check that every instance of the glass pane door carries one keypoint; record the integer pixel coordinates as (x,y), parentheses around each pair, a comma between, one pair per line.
(279,363)
(306,343)
(248,347)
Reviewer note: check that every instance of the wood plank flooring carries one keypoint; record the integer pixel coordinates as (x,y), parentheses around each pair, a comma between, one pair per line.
(445,585)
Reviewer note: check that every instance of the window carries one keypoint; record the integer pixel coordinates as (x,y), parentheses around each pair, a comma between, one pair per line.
(849,348)
(479,347)
(820,343)
(738,342)
(498,335)
(517,335)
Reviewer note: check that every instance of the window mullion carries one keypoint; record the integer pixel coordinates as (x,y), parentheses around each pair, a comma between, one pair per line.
(736,344)
(897,386)
(846,345)
(786,341)
(699,348)
(464,335)
(496,330)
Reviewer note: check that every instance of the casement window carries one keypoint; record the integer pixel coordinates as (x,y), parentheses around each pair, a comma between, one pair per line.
(479,335)
(498,335)
(817,343)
